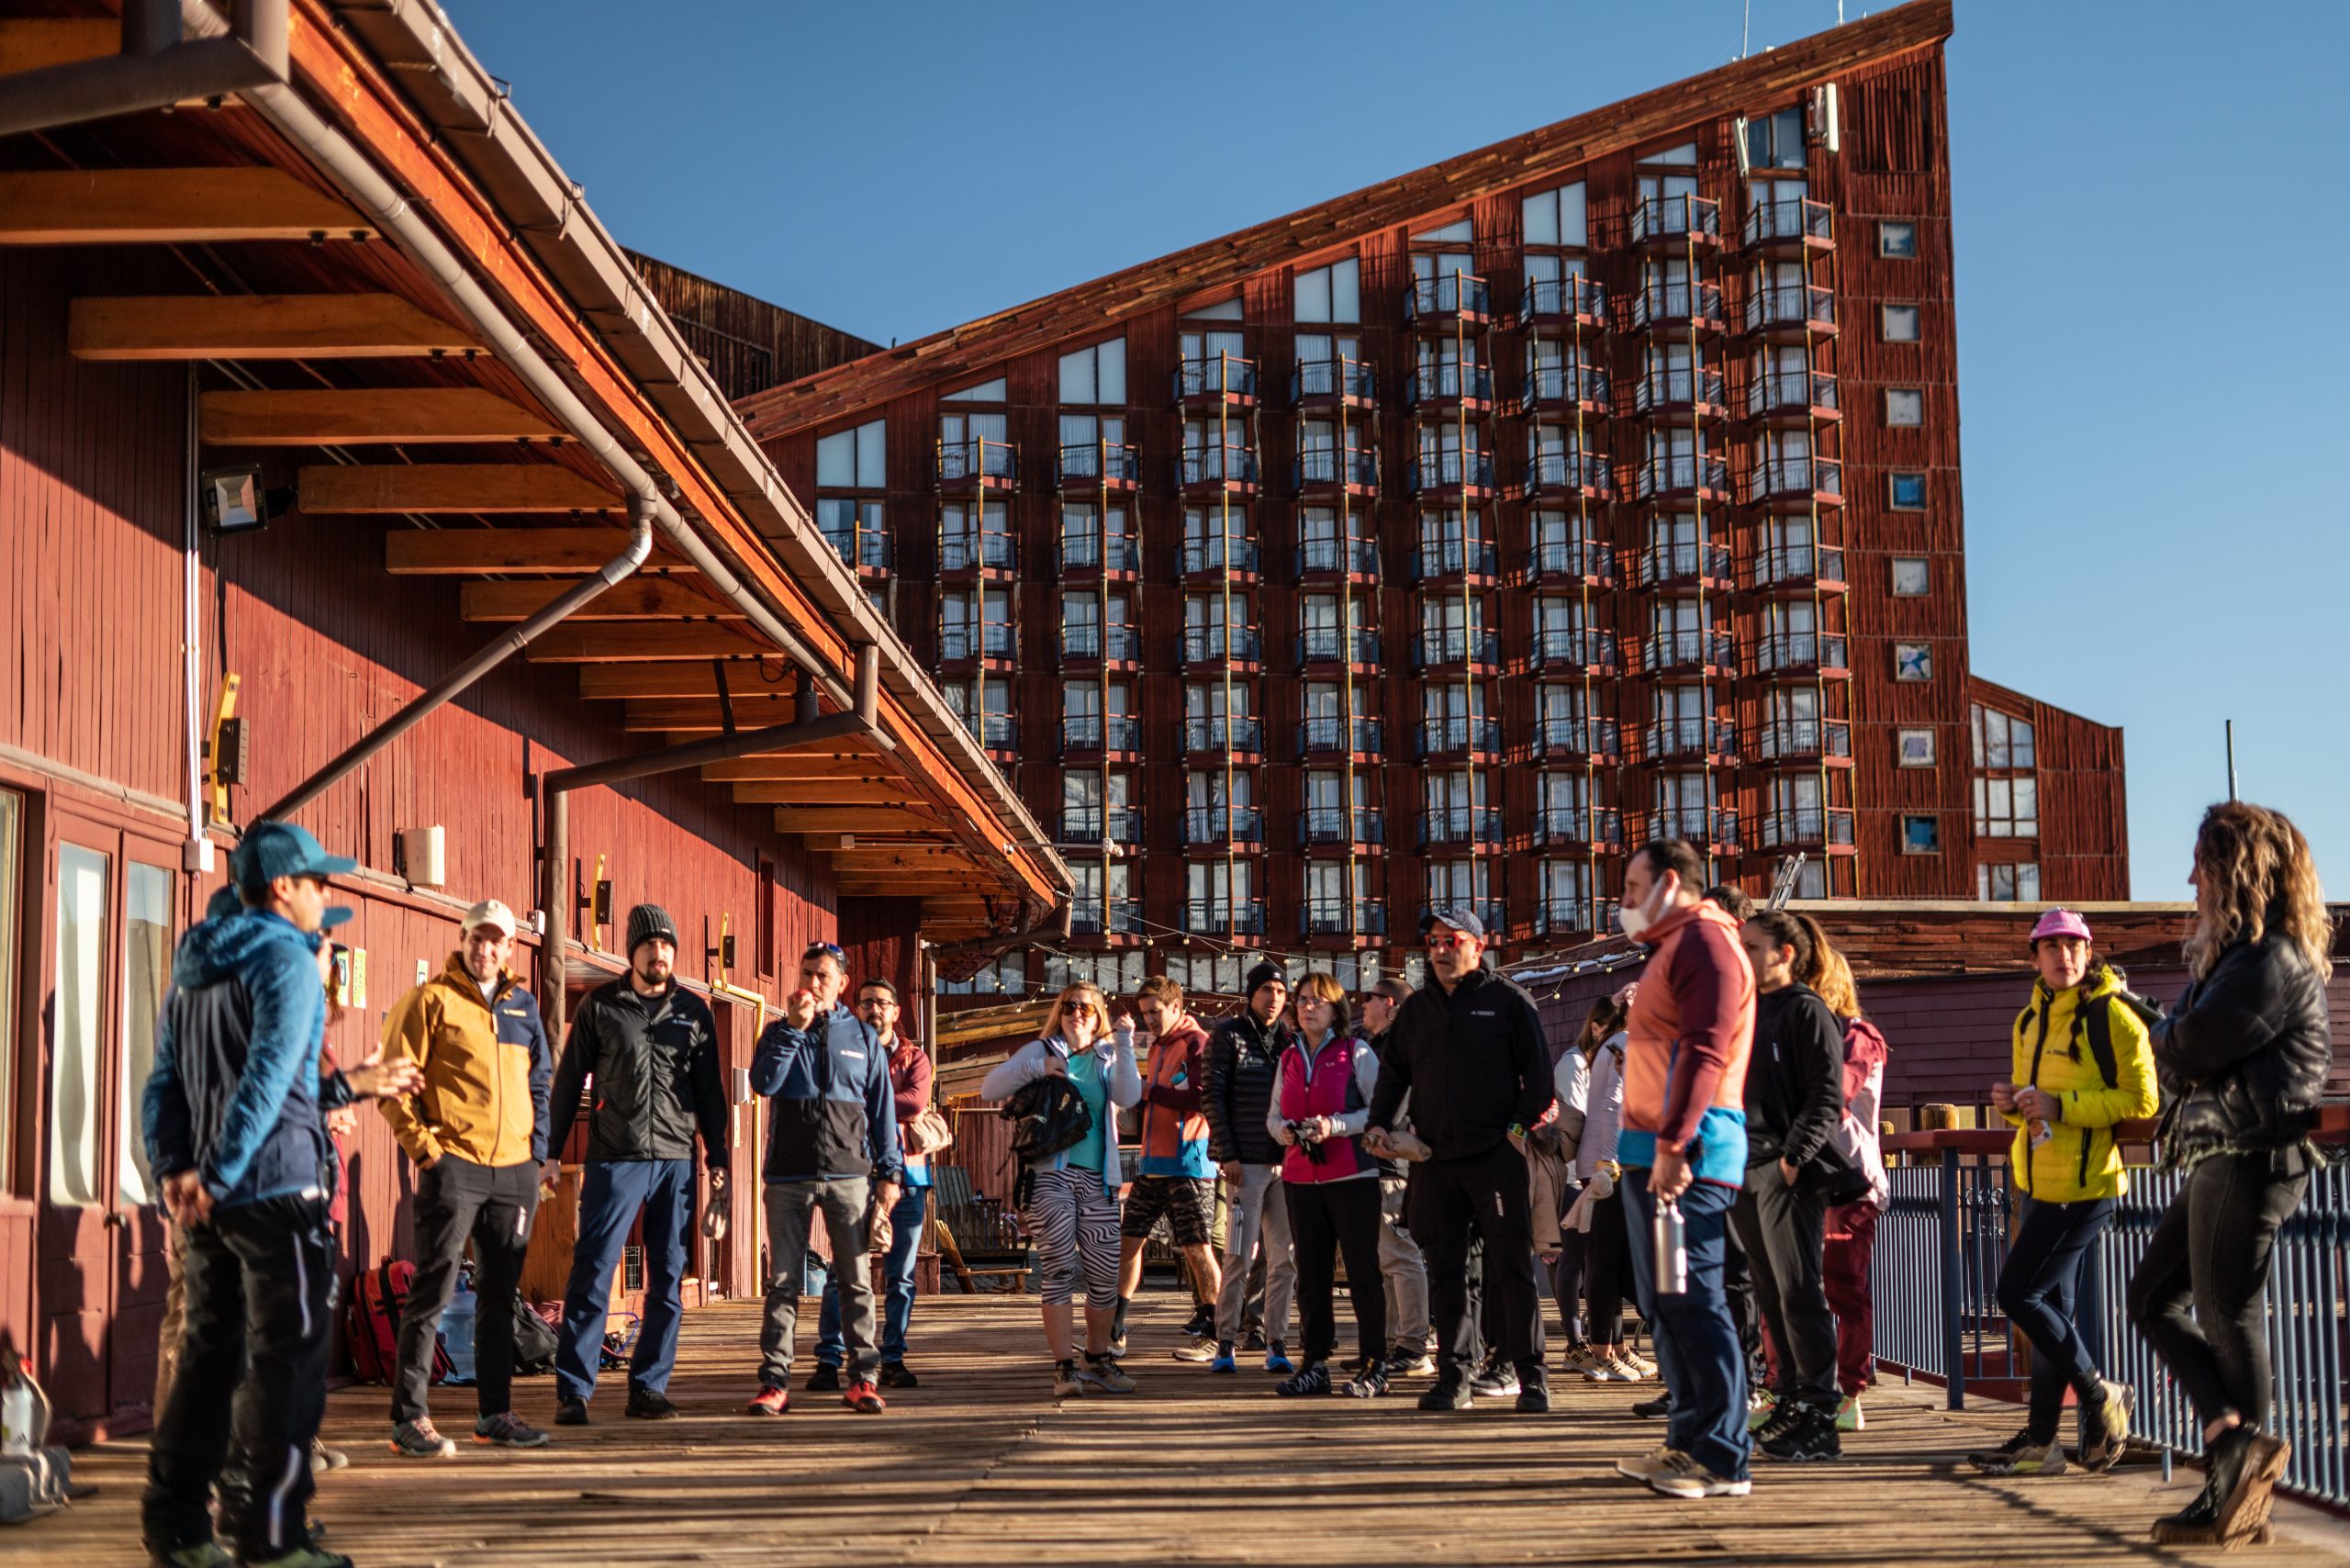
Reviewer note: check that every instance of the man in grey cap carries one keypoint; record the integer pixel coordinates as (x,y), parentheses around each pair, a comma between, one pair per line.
(652,1047)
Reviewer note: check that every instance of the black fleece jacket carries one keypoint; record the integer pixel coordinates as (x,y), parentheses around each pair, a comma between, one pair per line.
(1794,1080)
(1474,1062)
(1243,1057)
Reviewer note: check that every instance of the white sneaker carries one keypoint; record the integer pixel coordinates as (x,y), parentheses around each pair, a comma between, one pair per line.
(1695,1481)
(1660,1461)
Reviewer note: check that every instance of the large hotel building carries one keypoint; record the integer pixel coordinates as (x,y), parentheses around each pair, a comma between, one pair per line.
(1436,545)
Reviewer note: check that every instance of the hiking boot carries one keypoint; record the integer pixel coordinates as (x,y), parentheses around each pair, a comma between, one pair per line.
(308,1555)
(1494,1382)
(1201,1348)
(1450,1393)
(1811,1437)
(1657,1409)
(196,1554)
(1277,1360)
(895,1375)
(1785,1416)
(770,1402)
(1407,1361)
(823,1379)
(1533,1399)
(1252,1340)
(503,1432)
(323,1459)
(1761,1406)
(1067,1384)
(649,1405)
(2021,1455)
(1693,1480)
(2105,1431)
(1368,1383)
(1662,1459)
(1223,1361)
(1315,1378)
(2245,1467)
(420,1440)
(864,1398)
(1848,1415)
(1100,1372)
(570,1410)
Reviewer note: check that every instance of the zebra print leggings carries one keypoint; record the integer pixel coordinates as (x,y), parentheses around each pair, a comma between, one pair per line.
(1075,1223)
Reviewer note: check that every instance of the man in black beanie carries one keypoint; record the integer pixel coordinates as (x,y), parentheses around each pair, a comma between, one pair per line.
(1244,1058)
(652,1047)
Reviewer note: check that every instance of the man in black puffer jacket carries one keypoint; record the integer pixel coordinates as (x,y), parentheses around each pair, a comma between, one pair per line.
(1244,1055)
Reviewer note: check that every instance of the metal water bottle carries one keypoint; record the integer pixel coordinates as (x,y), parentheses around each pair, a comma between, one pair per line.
(1671,1252)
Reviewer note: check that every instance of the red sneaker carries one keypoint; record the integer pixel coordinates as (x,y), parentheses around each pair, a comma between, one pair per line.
(771,1402)
(864,1398)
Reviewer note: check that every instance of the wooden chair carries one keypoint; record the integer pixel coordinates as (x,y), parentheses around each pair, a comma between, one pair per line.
(976,1237)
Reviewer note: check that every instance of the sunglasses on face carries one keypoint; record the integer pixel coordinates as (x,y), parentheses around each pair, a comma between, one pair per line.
(1438,943)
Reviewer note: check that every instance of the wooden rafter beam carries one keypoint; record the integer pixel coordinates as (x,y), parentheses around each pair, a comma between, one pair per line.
(883,817)
(613,682)
(823,792)
(258,326)
(703,641)
(167,207)
(638,599)
(788,764)
(471,488)
(693,716)
(476,552)
(35,43)
(365,415)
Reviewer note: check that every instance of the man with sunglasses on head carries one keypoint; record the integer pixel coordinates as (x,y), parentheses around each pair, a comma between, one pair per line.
(910,1078)
(1468,1048)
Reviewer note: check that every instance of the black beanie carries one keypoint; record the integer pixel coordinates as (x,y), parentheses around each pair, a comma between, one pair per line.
(1261,974)
(647,921)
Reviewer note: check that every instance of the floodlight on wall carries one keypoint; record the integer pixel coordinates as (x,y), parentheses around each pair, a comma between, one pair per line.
(232,499)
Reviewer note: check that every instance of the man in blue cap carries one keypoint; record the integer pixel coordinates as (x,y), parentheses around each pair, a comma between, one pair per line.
(235,1136)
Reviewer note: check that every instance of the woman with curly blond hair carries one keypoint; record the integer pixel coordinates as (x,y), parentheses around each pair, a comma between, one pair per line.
(2245,1056)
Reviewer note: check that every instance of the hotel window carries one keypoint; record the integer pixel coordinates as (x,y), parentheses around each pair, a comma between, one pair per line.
(2018,883)
(1555,218)
(1095,375)
(985,392)
(1454,883)
(1905,407)
(2002,741)
(1333,293)
(1897,324)
(1086,527)
(1905,491)
(1219,892)
(1082,707)
(853,459)
(1913,577)
(853,529)
(1775,142)
(1921,835)
(2006,808)
(1896,241)
(1007,976)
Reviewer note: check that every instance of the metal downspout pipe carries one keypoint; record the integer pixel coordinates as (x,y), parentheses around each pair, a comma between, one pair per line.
(400,219)
(156,68)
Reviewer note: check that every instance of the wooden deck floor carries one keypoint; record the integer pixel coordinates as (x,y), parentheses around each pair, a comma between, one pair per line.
(981,1466)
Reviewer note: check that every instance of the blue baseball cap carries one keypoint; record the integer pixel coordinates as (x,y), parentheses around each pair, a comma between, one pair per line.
(272,849)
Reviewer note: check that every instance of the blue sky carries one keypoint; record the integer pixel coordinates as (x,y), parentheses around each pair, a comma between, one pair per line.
(2151,213)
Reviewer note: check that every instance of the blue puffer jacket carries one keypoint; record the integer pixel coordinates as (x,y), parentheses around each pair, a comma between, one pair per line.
(235,1091)
(833,1113)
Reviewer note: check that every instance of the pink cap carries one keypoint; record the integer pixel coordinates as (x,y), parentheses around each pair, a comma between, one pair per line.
(2061,922)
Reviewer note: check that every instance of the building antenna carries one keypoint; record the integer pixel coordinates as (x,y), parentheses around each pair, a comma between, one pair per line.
(2232,760)
(1746,25)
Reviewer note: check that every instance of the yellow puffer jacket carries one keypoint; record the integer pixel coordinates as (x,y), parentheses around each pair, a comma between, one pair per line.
(2080,1162)
(487,1070)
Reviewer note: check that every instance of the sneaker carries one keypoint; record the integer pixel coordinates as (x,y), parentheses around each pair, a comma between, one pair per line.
(770,1402)
(1277,1360)
(1657,1409)
(895,1375)
(1102,1373)
(196,1554)
(324,1459)
(570,1410)
(1223,1361)
(823,1380)
(419,1440)
(1578,1359)
(649,1405)
(1408,1360)
(1810,1438)
(1761,1406)
(1600,1367)
(1368,1383)
(1662,1459)
(1450,1393)
(2111,1426)
(503,1432)
(1203,1323)
(1639,1367)
(310,1555)
(2020,1456)
(1315,1378)
(1067,1384)
(1202,1348)
(1848,1415)
(1252,1342)
(1533,1399)
(864,1398)
(1694,1480)
(1786,1415)
(1494,1382)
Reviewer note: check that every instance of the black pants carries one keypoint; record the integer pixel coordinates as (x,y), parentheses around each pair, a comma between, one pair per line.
(2037,1287)
(1785,1232)
(1737,1291)
(492,1207)
(2212,1251)
(1489,1191)
(1326,1219)
(1566,1280)
(252,1383)
(1610,1261)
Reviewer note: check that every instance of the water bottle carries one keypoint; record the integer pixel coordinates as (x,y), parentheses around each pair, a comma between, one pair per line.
(1671,1252)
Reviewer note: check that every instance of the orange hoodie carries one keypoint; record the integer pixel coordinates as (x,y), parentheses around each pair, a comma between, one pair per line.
(1691,1030)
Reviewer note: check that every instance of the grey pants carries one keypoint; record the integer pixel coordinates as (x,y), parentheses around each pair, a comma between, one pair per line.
(1405,1272)
(1257,1215)
(846,1203)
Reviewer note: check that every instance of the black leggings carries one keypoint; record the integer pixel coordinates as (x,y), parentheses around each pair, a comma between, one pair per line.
(1566,1272)
(1608,1256)
(1326,1219)
(2210,1252)
(2037,1285)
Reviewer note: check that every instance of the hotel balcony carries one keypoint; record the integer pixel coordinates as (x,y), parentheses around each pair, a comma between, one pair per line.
(1579,827)
(1224,828)
(1574,917)
(866,549)
(1827,742)
(1669,223)
(1677,310)
(1089,737)
(1687,564)
(964,647)
(1789,226)
(972,467)
(1087,646)
(1238,646)
(1818,829)
(1452,559)
(1088,557)
(998,735)
(1458,738)
(1713,741)
(1105,917)
(1442,477)
(1324,473)
(1089,467)
(1712,831)
(1326,649)
(1794,484)
(1680,395)
(1364,828)
(1455,299)
(1784,569)
(1492,913)
(1210,560)
(1709,653)
(1325,737)
(1241,739)
(1461,825)
(992,554)
(1212,471)
(1448,650)
(1331,559)
(1450,388)
(1225,917)
(1334,383)
(1567,475)
(1791,312)
(1218,381)
(1328,919)
(1800,655)
(1564,302)
(1571,563)
(1682,478)
(1793,399)
(1573,650)
(1596,741)
(1086,826)
(1565,393)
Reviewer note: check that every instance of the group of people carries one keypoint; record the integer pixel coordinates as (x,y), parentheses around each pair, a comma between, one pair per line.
(1708,1144)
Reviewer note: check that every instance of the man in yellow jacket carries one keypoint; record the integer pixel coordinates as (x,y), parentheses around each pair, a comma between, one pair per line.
(2083,1062)
(477,1135)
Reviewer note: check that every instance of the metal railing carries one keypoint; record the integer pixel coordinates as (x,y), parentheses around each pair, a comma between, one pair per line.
(1799,651)
(1097,460)
(1777,564)
(1243,916)
(1457,732)
(1337,825)
(1575,558)
(1776,476)
(1454,291)
(1676,216)
(1563,296)
(1231,464)
(1557,738)
(860,546)
(1554,472)
(972,548)
(995,731)
(1688,737)
(1778,739)
(1341,377)
(1680,389)
(1564,385)
(1445,468)
(1790,392)
(1220,553)
(1105,917)
(1327,555)
(1444,558)
(1789,218)
(1327,644)
(1574,648)
(1218,375)
(1439,382)
(1223,824)
(1452,646)
(1681,472)
(1804,305)
(1100,824)
(1328,733)
(994,640)
(1687,558)
(1561,916)
(1208,644)
(1461,824)
(976,459)
(1676,304)
(1120,644)
(1327,465)
(1700,825)
(1673,650)
(1578,824)
(1092,732)
(1794,826)
(1215,733)
(1340,917)
(1091,552)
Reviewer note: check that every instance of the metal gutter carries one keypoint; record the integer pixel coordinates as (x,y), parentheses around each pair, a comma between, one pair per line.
(156,68)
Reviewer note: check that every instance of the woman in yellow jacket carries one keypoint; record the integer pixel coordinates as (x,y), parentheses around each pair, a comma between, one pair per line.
(2083,1063)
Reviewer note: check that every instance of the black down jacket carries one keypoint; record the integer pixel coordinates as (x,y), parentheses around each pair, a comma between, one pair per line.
(2246,1051)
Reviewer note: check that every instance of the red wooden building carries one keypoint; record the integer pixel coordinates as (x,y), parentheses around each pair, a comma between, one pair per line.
(315,376)
(1437,544)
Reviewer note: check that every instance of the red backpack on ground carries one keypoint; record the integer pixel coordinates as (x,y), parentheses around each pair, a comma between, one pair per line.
(371,1323)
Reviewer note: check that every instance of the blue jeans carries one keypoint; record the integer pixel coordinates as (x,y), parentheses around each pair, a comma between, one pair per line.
(898,1278)
(1697,1343)
(2036,1290)
(610,1193)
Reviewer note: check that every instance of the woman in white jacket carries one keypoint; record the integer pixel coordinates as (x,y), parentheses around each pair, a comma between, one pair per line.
(1072,1212)
(1599,1211)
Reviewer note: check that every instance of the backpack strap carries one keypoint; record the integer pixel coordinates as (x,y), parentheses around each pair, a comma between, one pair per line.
(2097,1017)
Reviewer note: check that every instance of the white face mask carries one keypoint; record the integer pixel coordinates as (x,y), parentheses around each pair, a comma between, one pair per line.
(1635,920)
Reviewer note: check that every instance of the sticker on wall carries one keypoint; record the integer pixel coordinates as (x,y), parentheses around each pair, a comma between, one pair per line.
(1913,661)
(1915,748)
(359,977)
(423,970)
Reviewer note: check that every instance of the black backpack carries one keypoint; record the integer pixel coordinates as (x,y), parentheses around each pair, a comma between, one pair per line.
(2096,1023)
(1048,1115)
